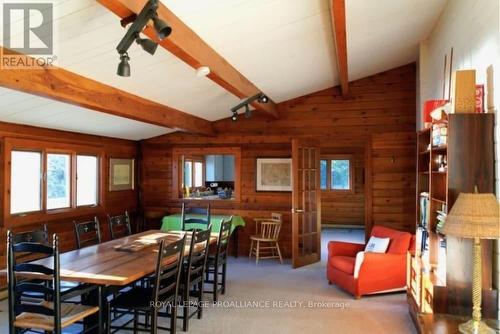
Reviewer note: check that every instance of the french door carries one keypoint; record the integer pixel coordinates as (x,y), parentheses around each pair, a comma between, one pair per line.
(306,202)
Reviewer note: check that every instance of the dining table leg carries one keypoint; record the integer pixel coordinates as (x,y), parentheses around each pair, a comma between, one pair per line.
(95,297)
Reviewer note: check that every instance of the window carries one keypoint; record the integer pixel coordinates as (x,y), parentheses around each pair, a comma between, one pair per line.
(336,173)
(58,181)
(86,180)
(193,173)
(198,174)
(49,177)
(206,173)
(340,170)
(26,185)
(324,174)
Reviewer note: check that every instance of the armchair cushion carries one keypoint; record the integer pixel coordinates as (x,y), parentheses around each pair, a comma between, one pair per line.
(400,241)
(343,263)
(377,245)
(338,248)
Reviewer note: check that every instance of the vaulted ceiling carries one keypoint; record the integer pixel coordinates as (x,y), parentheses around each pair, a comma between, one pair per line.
(284,47)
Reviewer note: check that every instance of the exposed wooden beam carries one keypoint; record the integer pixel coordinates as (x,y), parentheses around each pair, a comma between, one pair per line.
(62,85)
(190,48)
(337,8)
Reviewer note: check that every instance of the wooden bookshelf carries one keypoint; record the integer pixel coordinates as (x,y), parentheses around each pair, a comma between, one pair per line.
(436,278)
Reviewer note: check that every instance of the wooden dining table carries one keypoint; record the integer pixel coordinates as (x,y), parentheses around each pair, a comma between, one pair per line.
(116,263)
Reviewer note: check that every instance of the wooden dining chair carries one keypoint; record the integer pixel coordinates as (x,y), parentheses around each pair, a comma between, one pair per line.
(164,290)
(39,236)
(46,312)
(188,222)
(88,233)
(264,244)
(119,226)
(193,275)
(217,263)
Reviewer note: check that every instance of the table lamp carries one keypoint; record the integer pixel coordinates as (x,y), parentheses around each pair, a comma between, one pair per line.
(474,216)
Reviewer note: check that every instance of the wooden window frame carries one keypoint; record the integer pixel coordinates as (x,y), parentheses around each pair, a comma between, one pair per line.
(329,159)
(177,161)
(45,148)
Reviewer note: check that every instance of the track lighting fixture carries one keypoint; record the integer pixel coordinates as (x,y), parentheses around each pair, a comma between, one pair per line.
(248,112)
(161,27)
(124,66)
(147,45)
(234,117)
(261,98)
(147,14)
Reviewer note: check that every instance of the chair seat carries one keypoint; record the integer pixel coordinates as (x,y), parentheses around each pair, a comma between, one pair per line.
(70,313)
(259,238)
(343,263)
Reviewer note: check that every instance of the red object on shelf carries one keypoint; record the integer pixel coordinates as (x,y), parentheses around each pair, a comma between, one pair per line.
(479,99)
(429,106)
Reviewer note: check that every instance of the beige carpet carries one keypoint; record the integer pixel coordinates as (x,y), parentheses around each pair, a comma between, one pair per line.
(294,301)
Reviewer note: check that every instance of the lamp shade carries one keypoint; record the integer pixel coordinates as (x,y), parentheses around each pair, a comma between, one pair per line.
(474,216)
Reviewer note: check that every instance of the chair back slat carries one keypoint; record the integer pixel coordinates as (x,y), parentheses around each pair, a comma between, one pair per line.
(188,221)
(36,236)
(119,226)
(270,230)
(88,233)
(33,268)
(168,269)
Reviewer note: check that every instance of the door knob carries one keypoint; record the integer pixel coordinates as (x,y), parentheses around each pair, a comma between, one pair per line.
(297,210)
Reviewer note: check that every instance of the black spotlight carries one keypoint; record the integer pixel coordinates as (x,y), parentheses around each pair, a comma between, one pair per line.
(124,66)
(234,118)
(147,45)
(161,27)
(248,112)
(263,98)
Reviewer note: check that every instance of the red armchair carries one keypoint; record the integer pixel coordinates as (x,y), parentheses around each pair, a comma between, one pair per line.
(379,272)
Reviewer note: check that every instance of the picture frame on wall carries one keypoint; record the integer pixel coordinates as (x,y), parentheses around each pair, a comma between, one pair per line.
(121,174)
(273,174)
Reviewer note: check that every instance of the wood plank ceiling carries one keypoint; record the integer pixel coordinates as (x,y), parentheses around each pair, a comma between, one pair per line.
(284,47)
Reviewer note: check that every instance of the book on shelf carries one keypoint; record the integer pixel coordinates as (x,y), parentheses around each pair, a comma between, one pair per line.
(439,134)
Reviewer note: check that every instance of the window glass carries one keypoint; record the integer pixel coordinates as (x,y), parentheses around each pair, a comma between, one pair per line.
(198,174)
(323,165)
(187,173)
(58,181)
(340,170)
(86,180)
(25,192)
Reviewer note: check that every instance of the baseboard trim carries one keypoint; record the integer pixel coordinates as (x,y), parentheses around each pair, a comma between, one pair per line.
(356,227)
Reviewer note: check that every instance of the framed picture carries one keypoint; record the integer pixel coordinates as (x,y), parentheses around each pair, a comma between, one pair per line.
(274,174)
(121,174)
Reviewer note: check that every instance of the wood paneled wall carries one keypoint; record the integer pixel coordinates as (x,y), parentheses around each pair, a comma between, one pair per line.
(114,202)
(381,107)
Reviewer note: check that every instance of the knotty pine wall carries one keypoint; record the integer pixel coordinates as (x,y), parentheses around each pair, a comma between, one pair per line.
(114,202)
(376,124)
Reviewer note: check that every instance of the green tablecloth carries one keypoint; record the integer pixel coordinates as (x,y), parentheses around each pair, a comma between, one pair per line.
(173,222)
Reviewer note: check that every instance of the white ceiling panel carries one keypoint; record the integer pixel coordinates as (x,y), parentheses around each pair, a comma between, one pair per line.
(42,112)
(385,34)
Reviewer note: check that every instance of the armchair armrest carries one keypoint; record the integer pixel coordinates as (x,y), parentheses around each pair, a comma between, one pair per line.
(380,264)
(338,248)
